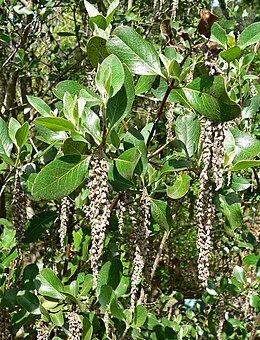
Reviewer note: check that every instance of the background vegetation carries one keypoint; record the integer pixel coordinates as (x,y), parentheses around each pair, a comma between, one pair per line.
(129,169)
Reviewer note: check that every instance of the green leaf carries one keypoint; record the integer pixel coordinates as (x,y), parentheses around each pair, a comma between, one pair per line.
(29,274)
(231,54)
(252,260)
(161,213)
(249,36)
(38,224)
(92,125)
(240,183)
(55,123)
(111,10)
(241,145)
(116,310)
(239,274)
(174,165)
(230,207)
(254,301)
(245,165)
(144,84)
(28,301)
(70,108)
(57,318)
(105,296)
(251,107)
(187,129)
(120,105)
(134,138)
(40,106)
(99,20)
(96,50)
(109,274)
(138,54)
(140,316)
(180,187)
(49,284)
(91,97)
(218,34)
(122,287)
(208,96)
(70,86)
(87,330)
(92,11)
(6,144)
(117,74)
(71,147)
(127,162)
(60,177)
(13,127)
(7,237)
(22,134)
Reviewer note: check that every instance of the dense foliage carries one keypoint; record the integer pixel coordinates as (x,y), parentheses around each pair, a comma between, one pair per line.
(129,170)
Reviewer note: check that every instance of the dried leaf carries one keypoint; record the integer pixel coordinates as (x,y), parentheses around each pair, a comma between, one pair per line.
(207,19)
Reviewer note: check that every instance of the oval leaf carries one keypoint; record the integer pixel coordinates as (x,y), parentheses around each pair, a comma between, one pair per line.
(49,284)
(250,35)
(187,130)
(28,301)
(120,105)
(127,162)
(180,187)
(138,54)
(6,144)
(96,50)
(55,124)
(60,177)
(208,96)
(40,106)
(140,316)
(231,54)
(161,214)
(239,274)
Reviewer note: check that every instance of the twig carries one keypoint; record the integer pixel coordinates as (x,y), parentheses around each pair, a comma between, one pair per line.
(156,152)
(255,326)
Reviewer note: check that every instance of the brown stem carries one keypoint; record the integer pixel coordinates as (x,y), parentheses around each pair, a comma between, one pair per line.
(166,95)
(70,240)
(159,253)
(255,326)
(156,152)
(124,125)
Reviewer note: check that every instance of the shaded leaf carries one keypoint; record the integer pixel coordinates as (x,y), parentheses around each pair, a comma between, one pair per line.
(38,224)
(120,105)
(116,310)
(28,301)
(96,50)
(161,213)
(140,316)
(22,134)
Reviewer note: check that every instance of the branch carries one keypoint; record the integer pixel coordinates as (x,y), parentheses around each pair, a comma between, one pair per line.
(255,326)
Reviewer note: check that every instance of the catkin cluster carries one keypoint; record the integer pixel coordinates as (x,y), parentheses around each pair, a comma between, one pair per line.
(64,219)
(42,330)
(140,243)
(98,210)
(75,326)
(19,212)
(4,322)
(212,158)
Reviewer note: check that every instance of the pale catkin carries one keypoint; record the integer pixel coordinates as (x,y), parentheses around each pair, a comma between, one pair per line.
(98,211)
(64,220)
(42,330)
(19,213)
(140,239)
(75,326)
(205,207)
